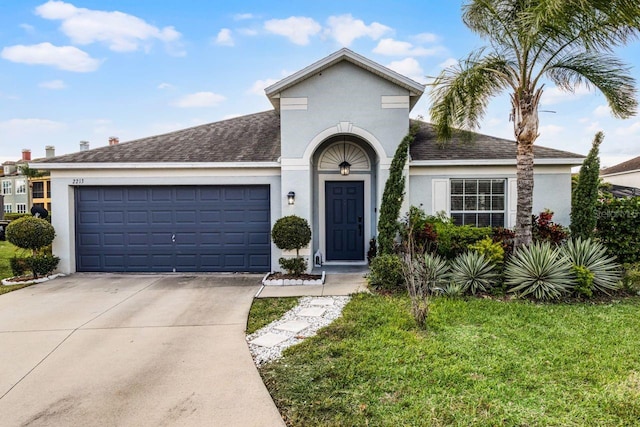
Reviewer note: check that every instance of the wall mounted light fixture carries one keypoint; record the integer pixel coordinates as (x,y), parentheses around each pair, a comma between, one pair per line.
(345,167)
(291,197)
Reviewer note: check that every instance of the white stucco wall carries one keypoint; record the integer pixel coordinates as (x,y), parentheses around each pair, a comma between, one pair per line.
(64,181)
(629,179)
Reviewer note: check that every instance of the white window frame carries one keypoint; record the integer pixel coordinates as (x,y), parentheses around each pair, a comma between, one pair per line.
(6,187)
(21,208)
(477,211)
(21,186)
(8,208)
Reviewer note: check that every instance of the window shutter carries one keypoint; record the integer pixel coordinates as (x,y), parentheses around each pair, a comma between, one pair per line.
(440,196)
(512,195)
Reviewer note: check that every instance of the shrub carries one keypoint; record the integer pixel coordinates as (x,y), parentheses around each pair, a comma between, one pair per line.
(293,266)
(386,273)
(472,272)
(42,265)
(373,250)
(538,270)
(423,234)
(453,240)
(393,195)
(617,227)
(288,233)
(14,216)
(585,194)
(493,251)
(18,266)
(505,237)
(30,233)
(584,281)
(631,278)
(545,230)
(423,275)
(592,256)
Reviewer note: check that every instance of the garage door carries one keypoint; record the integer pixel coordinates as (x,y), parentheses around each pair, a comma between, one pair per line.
(173,228)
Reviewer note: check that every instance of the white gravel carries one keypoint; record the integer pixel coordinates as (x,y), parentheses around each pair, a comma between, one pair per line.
(332,305)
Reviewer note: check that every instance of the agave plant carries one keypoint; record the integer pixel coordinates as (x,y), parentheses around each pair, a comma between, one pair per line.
(472,271)
(539,270)
(436,271)
(593,256)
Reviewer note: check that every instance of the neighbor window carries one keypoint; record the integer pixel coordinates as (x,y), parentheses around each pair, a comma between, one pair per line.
(38,190)
(6,188)
(21,208)
(21,187)
(478,202)
(7,208)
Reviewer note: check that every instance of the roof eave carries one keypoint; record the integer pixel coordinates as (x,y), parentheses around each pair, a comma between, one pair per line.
(494,162)
(156,165)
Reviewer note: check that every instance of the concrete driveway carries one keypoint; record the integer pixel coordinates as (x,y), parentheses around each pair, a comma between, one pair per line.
(131,350)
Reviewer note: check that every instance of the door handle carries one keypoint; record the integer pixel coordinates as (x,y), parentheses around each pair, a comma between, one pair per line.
(173,238)
(359,229)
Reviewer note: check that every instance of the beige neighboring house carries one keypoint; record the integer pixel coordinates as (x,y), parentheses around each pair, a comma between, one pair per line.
(626,174)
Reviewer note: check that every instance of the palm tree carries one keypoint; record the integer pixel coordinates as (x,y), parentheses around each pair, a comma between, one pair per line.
(567,42)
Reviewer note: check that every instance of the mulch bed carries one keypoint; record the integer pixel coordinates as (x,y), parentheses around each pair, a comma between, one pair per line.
(277,275)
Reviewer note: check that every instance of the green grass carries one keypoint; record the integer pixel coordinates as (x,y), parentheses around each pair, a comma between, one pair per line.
(266,310)
(7,251)
(480,362)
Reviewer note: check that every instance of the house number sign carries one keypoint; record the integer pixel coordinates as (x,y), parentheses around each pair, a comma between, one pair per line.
(77,181)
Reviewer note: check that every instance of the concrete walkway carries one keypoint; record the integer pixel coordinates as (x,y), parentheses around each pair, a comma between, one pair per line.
(336,284)
(131,350)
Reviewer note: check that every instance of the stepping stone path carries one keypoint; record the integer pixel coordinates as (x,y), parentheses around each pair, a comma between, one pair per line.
(302,321)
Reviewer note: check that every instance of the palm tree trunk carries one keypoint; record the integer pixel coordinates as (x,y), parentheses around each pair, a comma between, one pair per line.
(525,124)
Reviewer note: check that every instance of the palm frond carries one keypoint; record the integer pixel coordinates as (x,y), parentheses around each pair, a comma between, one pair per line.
(460,94)
(606,72)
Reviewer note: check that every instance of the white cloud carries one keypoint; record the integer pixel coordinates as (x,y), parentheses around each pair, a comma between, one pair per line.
(247,31)
(28,28)
(425,38)
(602,111)
(259,86)
(121,32)
(345,29)
(408,67)
(68,58)
(165,85)
(393,47)
(224,38)
(554,95)
(550,130)
(199,99)
(53,85)
(449,62)
(242,16)
(21,127)
(297,29)
(633,129)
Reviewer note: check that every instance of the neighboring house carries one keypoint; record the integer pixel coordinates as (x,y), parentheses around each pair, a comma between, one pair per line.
(625,174)
(205,198)
(14,185)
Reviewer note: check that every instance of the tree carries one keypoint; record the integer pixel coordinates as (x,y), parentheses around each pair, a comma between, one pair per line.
(568,42)
(393,195)
(288,233)
(584,197)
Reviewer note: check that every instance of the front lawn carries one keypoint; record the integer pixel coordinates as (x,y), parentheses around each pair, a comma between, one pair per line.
(481,362)
(7,251)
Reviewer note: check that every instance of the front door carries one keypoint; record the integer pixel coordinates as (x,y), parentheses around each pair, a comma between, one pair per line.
(344,220)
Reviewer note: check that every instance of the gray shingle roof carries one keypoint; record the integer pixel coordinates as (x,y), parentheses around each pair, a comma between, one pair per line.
(628,166)
(256,138)
(251,138)
(479,147)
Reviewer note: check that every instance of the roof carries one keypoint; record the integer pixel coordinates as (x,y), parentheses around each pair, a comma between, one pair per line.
(256,138)
(479,147)
(415,89)
(250,138)
(620,191)
(628,166)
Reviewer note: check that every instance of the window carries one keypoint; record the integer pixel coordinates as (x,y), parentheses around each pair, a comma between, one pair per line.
(38,190)
(478,202)
(21,208)
(6,188)
(7,208)
(21,187)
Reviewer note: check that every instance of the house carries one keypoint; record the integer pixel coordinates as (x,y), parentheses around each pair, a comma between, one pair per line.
(14,185)
(625,174)
(205,198)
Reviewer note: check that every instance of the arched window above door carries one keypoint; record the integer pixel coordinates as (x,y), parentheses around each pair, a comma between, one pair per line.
(342,151)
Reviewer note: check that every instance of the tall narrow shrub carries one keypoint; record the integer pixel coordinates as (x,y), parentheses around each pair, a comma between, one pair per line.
(393,195)
(585,195)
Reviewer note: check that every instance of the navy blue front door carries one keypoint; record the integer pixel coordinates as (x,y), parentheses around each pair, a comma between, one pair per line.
(345,220)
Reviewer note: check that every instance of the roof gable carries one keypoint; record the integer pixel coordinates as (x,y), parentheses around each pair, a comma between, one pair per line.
(415,89)
(628,166)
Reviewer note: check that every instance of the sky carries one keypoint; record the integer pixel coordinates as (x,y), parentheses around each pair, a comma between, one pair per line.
(85,70)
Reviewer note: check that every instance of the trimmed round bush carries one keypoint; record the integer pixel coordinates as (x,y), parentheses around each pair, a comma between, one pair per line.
(386,273)
(291,232)
(30,233)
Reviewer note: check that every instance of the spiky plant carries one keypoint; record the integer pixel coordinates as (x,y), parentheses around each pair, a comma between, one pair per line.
(473,272)
(436,271)
(592,255)
(539,270)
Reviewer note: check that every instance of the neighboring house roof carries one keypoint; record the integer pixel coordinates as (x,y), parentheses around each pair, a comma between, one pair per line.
(256,138)
(620,191)
(461,148)
(624,167)
(251,138)
(415,89)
